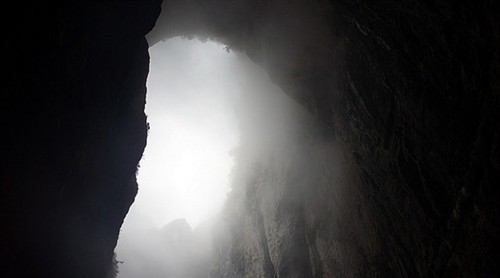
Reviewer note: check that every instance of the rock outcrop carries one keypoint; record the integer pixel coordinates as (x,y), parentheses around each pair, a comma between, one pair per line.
(407,99)
(405,95)
(75,129)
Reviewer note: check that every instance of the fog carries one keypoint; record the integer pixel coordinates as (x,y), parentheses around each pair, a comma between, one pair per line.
(212,113)
(227,147)
(190,108)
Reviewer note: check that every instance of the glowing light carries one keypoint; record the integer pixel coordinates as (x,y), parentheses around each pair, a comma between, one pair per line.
(185,169)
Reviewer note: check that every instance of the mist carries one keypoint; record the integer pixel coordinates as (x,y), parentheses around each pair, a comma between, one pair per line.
(213,115)
(287,138)
(232,161)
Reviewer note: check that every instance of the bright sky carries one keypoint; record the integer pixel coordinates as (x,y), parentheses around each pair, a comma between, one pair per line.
(199,99)
(184,172)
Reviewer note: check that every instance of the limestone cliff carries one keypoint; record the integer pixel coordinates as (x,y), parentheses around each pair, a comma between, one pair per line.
(405,100)
(408,93)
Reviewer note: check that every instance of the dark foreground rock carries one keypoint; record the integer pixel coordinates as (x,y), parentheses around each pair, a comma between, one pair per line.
(405,95)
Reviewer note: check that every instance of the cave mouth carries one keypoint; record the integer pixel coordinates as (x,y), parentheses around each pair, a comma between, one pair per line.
(184,172)
(207,108)
(183,176)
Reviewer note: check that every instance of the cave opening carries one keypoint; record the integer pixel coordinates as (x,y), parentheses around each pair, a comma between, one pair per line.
(209,109)
(407,90)
(185,167)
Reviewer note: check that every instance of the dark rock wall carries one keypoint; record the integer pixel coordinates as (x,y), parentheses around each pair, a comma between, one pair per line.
(409,91)
(405,94)
(422,121)
(74,131)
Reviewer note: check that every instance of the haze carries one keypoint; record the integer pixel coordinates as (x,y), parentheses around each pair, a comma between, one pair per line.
(201,101)
(185,167)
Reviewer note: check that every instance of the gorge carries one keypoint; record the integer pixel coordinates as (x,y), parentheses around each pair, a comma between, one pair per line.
(393,170)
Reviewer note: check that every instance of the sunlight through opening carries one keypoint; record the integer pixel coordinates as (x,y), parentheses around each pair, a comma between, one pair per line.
(185,169)
(214,116)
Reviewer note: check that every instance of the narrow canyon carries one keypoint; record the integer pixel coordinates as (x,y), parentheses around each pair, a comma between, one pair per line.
(373,150)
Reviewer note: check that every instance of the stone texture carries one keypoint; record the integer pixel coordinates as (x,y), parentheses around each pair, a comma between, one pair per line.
(407,90)
(405,95)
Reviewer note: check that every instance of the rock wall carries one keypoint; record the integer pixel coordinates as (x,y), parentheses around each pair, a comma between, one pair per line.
(405,94)
(407,90)
(74,131)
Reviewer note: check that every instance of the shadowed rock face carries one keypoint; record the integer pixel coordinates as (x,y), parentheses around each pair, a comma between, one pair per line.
(75,129)
(405,94)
